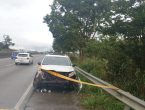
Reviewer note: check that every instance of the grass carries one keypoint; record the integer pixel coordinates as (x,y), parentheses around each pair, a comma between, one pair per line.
(93,98)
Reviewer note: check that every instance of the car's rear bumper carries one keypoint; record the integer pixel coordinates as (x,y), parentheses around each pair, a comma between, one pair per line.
(22,61)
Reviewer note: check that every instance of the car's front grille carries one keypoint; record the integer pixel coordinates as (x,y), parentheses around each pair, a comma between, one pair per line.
(48,76)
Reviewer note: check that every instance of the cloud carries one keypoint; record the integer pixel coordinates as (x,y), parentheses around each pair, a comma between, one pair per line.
(14,3)
(23,21)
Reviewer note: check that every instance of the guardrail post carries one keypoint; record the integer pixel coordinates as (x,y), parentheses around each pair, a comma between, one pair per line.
(126,107)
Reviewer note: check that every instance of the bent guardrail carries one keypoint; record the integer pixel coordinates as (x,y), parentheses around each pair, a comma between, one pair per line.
(129,100)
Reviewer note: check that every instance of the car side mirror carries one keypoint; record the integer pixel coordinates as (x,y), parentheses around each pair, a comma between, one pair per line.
(39,63)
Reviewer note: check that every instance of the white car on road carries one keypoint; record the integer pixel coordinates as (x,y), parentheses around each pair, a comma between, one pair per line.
(24,58)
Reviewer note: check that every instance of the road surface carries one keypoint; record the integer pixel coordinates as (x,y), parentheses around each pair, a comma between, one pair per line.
(54,101)
(14,80)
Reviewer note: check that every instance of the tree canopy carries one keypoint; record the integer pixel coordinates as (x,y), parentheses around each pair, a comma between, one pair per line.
(6,43)
(111,30)
(74,22)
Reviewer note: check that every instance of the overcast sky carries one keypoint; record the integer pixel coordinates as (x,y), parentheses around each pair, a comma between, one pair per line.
(23,21)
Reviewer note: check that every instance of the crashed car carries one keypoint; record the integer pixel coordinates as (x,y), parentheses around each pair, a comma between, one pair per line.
(59,64)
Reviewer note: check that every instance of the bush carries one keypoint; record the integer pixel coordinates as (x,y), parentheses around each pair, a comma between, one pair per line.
(96,99)
(95,66)
(93,98)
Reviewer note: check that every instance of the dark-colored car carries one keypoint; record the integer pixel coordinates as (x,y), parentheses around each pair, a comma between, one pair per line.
(14,55)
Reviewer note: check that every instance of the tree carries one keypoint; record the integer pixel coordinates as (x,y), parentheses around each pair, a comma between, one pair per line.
(1,45)
(75,22)
(7,41)
(128,21)
(121,23)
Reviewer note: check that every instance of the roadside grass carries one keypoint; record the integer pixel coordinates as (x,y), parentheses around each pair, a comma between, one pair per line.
(93,98)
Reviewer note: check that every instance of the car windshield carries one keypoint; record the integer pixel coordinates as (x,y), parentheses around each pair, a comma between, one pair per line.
(22,55)
(48,60)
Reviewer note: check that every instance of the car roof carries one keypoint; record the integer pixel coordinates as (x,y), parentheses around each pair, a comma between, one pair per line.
(57,55)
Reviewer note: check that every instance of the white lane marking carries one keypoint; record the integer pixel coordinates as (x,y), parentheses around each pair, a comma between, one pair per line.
(23,100)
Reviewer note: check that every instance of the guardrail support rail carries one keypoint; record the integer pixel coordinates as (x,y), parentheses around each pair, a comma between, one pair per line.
(129,100)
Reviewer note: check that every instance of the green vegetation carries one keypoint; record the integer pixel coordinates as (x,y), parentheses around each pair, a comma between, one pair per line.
(93,98)
(109,36)
(6,43)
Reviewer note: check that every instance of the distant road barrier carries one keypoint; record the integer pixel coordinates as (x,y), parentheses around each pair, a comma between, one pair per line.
(5,55)
(129,100)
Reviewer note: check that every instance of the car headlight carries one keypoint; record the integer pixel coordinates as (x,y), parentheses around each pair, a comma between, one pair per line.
(71,74)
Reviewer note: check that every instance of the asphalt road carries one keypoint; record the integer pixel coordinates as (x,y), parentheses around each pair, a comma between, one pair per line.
(54,101)
(14,80)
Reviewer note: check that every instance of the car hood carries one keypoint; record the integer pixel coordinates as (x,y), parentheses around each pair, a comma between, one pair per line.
(57,68)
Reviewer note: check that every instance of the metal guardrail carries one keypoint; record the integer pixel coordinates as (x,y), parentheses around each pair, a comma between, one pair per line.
(129,100)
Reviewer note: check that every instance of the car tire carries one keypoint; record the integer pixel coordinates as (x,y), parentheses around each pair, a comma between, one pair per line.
(16,63)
